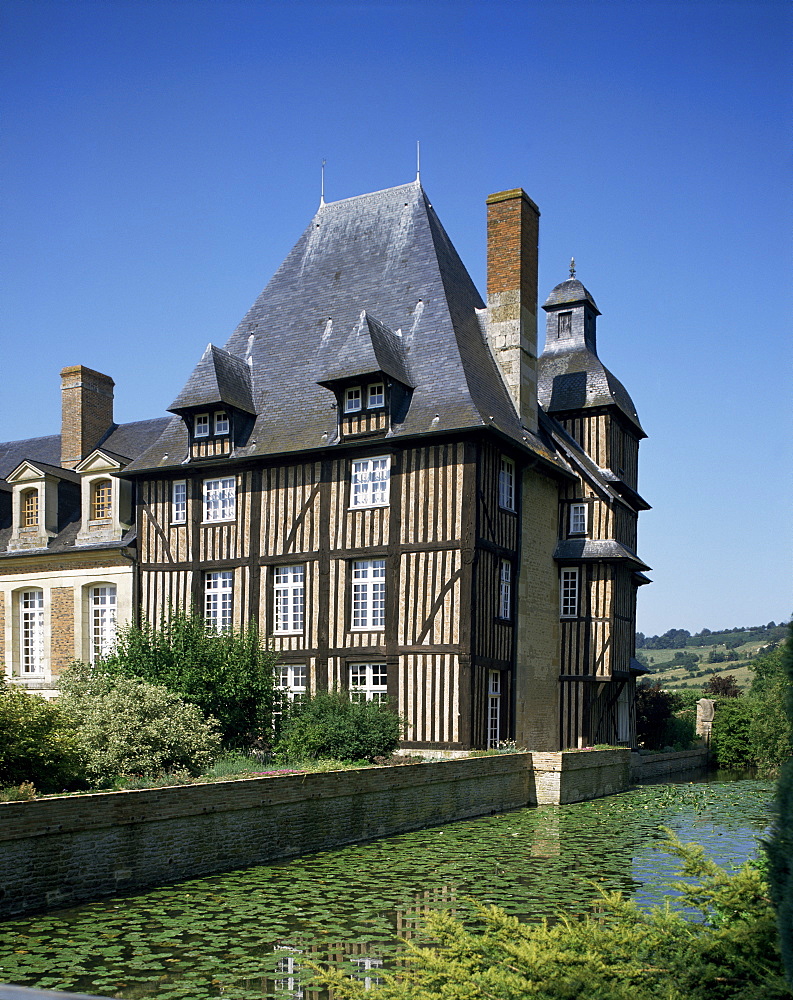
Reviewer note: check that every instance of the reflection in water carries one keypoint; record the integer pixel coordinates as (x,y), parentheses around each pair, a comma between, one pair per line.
(252,933)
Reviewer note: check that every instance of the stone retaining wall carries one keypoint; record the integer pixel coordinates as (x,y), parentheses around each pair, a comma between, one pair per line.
(661,765)
(60,851)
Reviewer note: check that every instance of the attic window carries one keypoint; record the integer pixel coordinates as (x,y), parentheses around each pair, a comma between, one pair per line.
(201,425)
(101,498)
(376,395)
(565,323)
(221,422)
(352,399)
(30,508)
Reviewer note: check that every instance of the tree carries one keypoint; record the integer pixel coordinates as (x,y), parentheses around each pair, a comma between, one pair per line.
(722,687)
(124,725)
(730,742)
(229,675)
(37,744)
(725,948)
(780,845)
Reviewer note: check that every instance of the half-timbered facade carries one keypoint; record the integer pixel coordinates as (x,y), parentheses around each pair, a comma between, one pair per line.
(364,469)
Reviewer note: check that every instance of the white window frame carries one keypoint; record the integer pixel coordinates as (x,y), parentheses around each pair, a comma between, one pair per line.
(375,396)
(288,599)
(31,633)
(221,422)
(506,483)
(505,590)
(368,682)
(370,482)
(220,499)
(179,501)
(368,595)
(292,679)
(103,606)
(568,592)
(353,399)
(493,709)
(578,519)
(218,599)
(201,425)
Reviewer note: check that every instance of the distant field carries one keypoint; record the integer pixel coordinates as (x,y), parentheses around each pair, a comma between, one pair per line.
(669,675)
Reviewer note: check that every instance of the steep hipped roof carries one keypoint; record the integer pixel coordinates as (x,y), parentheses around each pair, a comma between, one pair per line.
(571,376)
(370,347)
(218,378)
(385,255)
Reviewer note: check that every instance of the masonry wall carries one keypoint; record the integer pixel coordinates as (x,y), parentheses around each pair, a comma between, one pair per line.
(60,851)
(537,655)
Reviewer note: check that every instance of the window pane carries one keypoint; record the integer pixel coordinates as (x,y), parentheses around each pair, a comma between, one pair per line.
(370,481)
(217,599)
(506,484)
(30,509)
(352,400)
(221,422)
(219,499)
(368,682)
(368,594)
(578,519)
(103,621)
(289,599)
(103,492)
(201,425)
(31,606)
(376,395)
(179,502)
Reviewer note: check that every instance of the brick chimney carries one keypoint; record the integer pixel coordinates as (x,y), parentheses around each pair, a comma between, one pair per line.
(512,236)
(86,412)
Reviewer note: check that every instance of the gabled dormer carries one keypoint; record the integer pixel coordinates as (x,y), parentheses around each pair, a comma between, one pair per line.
(105,500)
(369,376)
(216,405)
(42,497)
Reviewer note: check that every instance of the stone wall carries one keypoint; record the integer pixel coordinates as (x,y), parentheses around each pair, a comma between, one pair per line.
(661,765)
(574,776)
(59,851)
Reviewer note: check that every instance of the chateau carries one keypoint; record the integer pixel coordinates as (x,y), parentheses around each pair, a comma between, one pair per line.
(380,469)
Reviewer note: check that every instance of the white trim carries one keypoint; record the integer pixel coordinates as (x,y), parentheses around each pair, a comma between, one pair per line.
(31,633)
(505,590)
(288,599)
(218,598)
(292,679)
(370,482)
(371,394)
(102,619)
(201,430)
(179,501)
(353,399)
(568,592)
(368,682)
(577,525)
(221,422)
(368,595)
(506,483)
(220,497)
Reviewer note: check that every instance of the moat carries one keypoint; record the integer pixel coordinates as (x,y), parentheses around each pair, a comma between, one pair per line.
(244,935)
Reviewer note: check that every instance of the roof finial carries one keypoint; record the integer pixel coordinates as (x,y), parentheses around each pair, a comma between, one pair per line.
(418,161)
(322,187)
(572,267)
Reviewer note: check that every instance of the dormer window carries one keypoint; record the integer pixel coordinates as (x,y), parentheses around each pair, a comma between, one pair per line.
(201,425)
(352,399)
(376,395)
(221,422)
(30,509)
(101,500)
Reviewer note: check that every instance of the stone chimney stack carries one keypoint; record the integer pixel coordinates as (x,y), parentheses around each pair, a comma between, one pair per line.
(87,412)
(512,238)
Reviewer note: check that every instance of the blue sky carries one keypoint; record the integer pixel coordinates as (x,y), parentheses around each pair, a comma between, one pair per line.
(158,159)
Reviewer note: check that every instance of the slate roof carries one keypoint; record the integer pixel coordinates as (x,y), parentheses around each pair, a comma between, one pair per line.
(385,255)
(123,441)
(570,375)
(598,549)
(219,377)
(370,347)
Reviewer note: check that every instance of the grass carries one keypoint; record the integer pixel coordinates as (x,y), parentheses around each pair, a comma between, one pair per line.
(671,675)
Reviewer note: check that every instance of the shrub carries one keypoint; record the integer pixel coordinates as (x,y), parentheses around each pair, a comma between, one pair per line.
(721,687)
(730,734)
(36,744)
(331,725)
(127,726)
(229,675)
(725,949)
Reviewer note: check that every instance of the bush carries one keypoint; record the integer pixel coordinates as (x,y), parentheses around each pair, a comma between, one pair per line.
(229,675)
(730,733)
(721,687)
(36,743)
(329,724)
(124,725)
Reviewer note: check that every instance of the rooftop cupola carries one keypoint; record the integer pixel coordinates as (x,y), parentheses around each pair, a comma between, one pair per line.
(572,317)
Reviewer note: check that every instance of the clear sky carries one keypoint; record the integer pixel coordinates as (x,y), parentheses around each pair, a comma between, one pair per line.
(158,159)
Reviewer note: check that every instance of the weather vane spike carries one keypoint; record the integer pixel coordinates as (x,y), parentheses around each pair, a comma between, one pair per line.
(418,160)
(572,267)
(322,187)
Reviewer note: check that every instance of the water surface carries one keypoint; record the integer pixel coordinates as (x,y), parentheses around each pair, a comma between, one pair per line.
(243,935)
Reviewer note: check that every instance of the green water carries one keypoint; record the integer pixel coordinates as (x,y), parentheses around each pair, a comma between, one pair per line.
(244,935)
